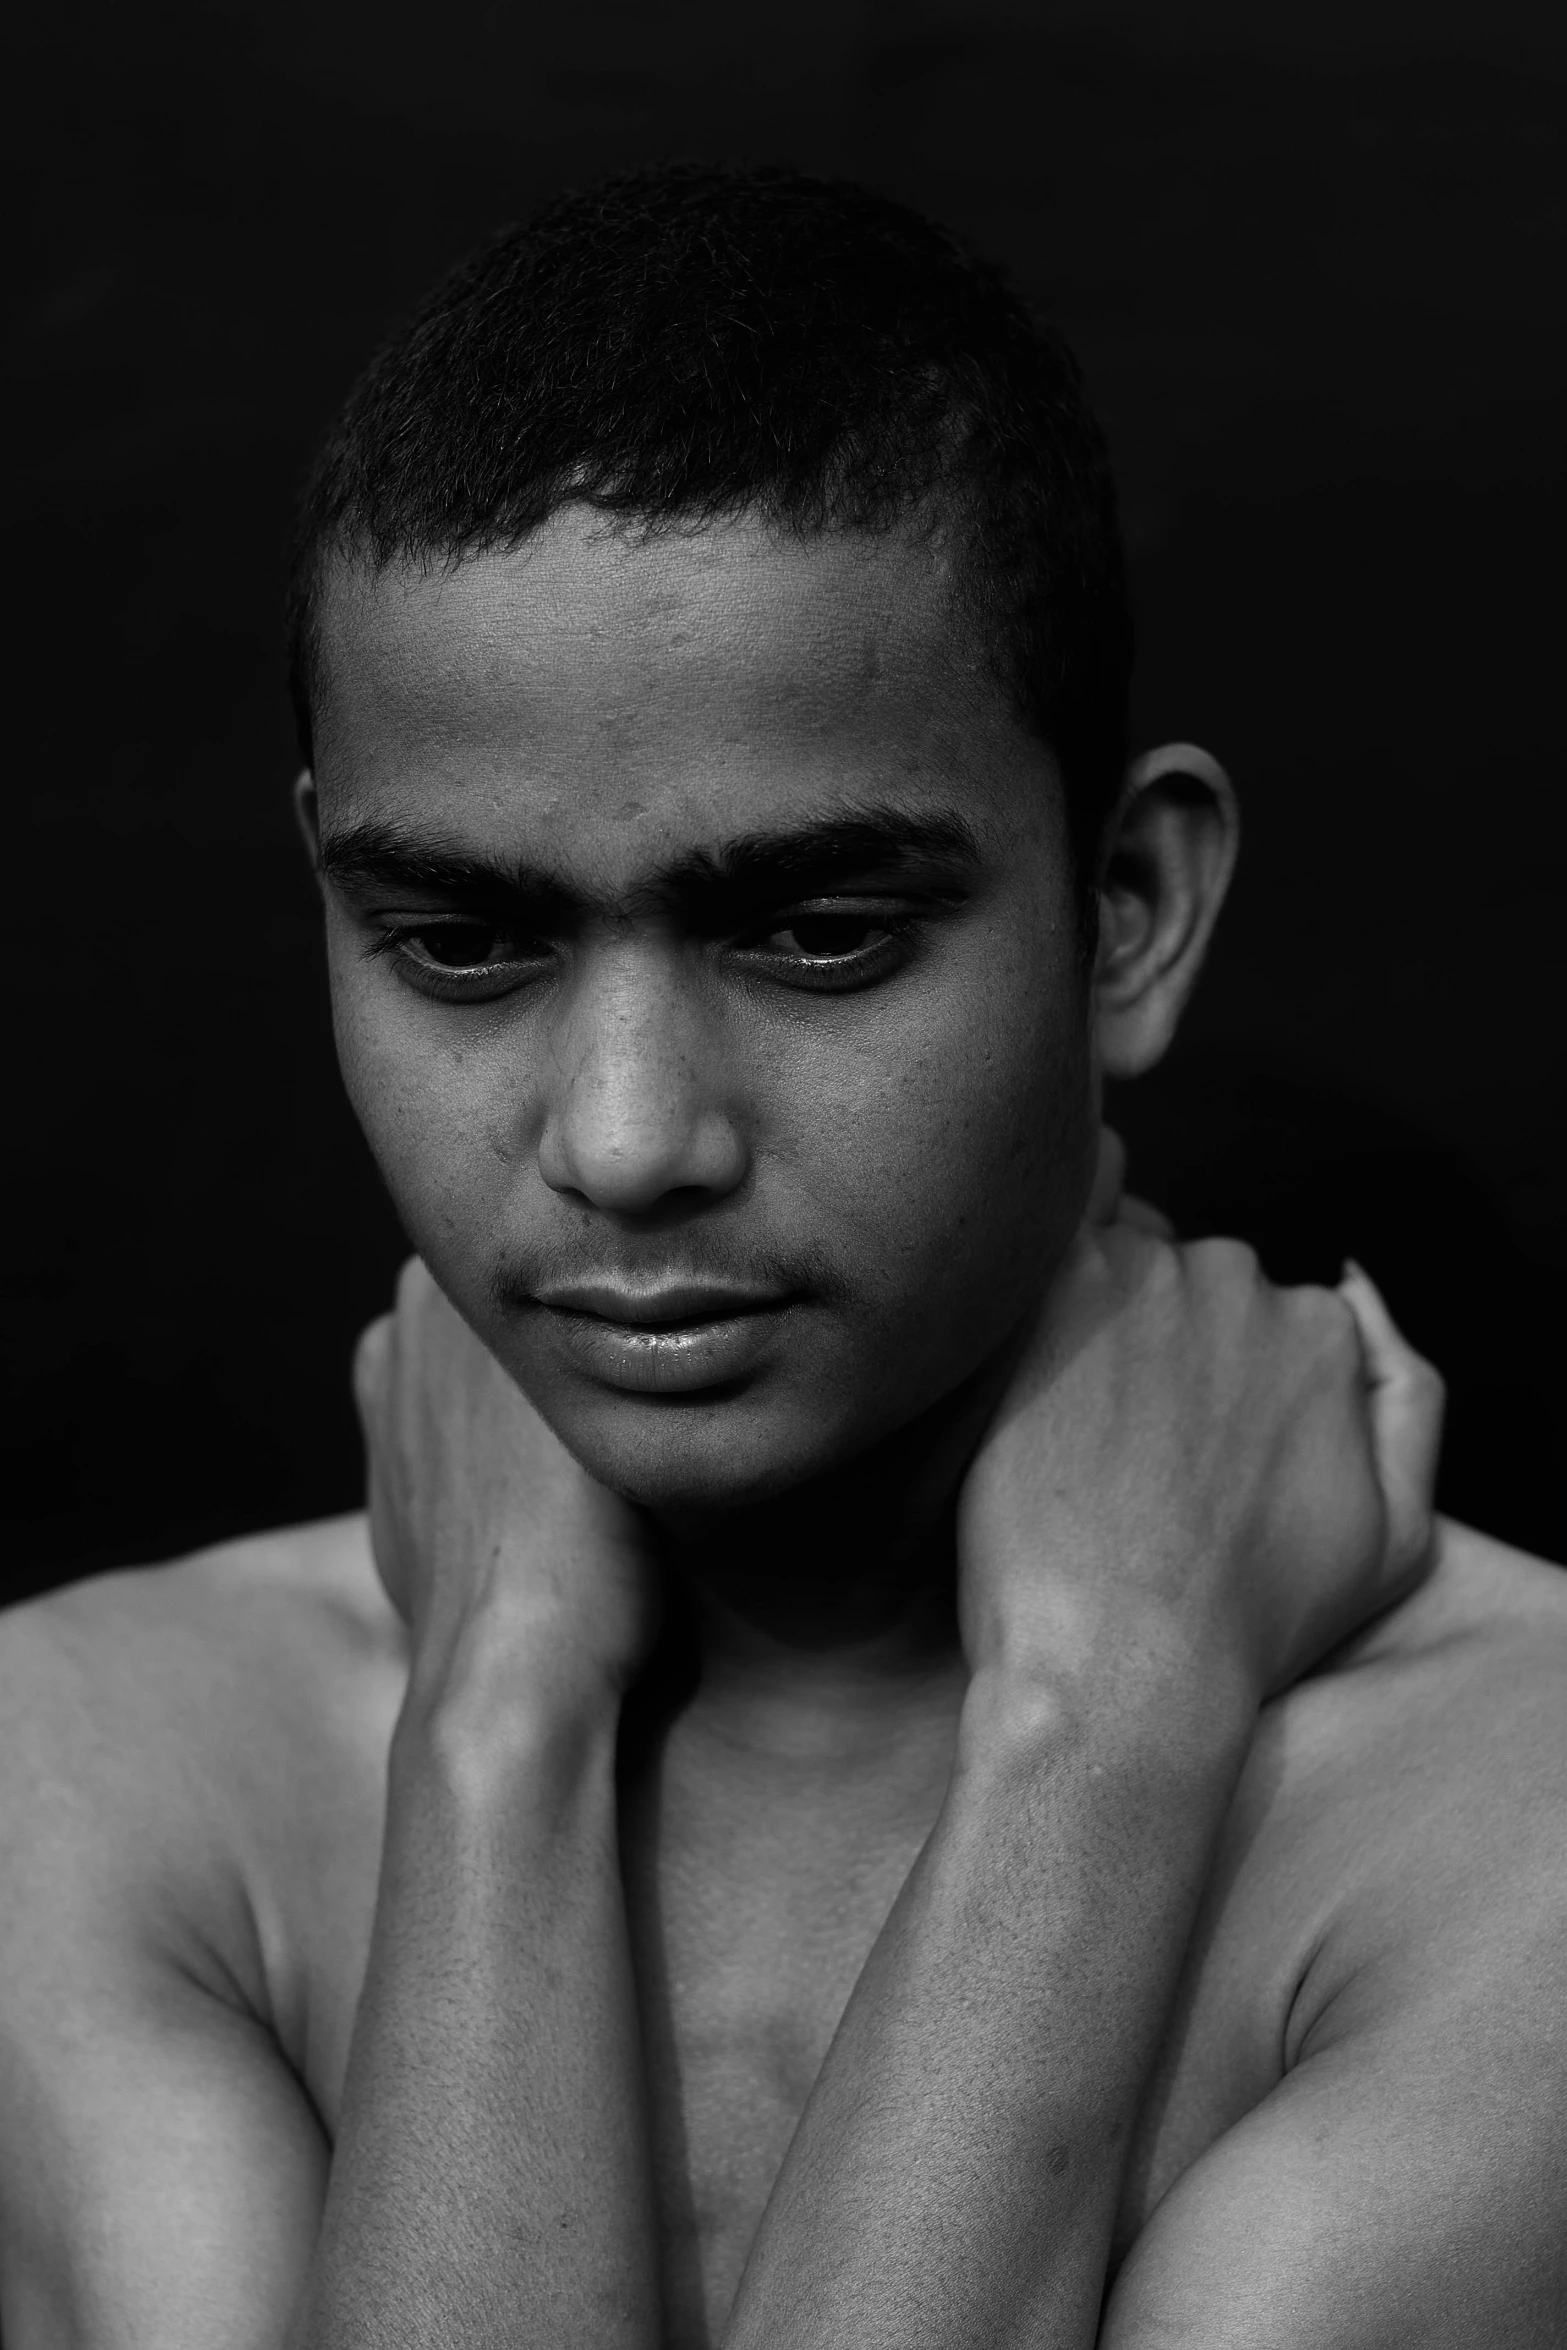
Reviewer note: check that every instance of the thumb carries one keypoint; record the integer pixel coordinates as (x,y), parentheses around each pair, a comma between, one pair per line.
(1405,1397)
(1104,1201)
(372,1360)
(1110,1203)
(386,1548)
(372,1364)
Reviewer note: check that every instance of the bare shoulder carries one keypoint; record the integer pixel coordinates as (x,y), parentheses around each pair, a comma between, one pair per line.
(1463,1683)
(188,1755)
(1418,1788)
(163,1669)
(1398,1838)
(1388,1908)
(160,1728)
(1482,1595)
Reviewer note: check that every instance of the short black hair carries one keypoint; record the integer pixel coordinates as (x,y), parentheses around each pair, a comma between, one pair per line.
(694,341)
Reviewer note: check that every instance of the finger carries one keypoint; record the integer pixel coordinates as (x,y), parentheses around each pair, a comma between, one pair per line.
(1104,1201)
(372,1352)
(414,1285)
(385,1547)
(1405,1397)
(1142,1214)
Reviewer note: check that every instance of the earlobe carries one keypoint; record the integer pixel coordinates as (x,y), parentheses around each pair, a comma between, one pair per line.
(1171,856)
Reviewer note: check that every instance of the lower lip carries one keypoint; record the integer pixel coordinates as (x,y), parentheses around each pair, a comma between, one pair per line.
(679,1360)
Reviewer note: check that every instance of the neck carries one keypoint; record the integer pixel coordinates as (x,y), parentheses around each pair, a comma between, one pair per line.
(838,1598)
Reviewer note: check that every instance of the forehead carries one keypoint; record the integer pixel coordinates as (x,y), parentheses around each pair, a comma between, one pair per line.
(686,684)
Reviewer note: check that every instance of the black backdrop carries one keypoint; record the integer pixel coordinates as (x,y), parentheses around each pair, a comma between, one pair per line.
(1313,254)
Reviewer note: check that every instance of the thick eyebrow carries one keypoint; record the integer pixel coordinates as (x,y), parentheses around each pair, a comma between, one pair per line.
(374,855)
(889,843)
(753,869)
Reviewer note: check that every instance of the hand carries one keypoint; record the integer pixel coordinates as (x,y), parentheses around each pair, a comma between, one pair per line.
(486,1532)
(1186,1452)
(1111,1203)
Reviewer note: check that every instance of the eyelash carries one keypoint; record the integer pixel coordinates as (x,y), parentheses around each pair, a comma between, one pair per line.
(819,975)
(475,983)
(839,974)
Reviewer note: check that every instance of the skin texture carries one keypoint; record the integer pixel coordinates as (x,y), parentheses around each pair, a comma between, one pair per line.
(623,705)
(944,1821)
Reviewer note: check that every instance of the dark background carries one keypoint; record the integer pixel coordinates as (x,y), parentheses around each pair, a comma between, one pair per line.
(1313,255)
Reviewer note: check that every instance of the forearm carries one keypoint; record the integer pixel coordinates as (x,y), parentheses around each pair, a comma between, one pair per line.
(955,2174)
(490,2180)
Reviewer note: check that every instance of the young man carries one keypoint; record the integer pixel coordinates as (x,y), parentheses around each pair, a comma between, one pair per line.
(898,1759)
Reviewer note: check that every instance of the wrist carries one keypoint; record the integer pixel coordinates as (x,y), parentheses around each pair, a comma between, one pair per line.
(508,1684)
(532,1757)
(1111,1684)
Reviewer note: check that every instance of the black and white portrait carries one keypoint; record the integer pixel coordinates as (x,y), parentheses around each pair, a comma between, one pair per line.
(788,1254)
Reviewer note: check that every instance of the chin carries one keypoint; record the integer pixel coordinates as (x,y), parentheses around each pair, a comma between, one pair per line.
(702,1453)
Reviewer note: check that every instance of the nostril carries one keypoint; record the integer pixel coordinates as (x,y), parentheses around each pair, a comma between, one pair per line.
(629,1165)
(639,1109)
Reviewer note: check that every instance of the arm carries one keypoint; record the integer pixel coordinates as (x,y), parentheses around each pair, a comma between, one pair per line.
(956,2173)
(161,2169)
(163,2176)
(1178,1508)
(164,2180)
(1403,2187)
(491,2181)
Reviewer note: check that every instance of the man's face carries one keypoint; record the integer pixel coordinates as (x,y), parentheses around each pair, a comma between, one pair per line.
(706,978)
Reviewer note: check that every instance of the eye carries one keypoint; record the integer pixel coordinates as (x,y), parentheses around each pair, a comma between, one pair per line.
(462,958)
(829,937)
(831,947)
(456,946)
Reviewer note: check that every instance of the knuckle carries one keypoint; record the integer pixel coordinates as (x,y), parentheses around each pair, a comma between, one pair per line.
(413,1285)
(1228,1268)
(1333,1316)
(1227,1259)
(1145,1217)
(1328,1319)
(370,1361)
(1144,1263)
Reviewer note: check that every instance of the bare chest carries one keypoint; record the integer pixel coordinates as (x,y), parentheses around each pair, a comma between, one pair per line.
(751,1921)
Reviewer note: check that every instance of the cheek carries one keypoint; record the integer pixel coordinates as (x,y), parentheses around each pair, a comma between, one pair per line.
(956,1159)
(940,1159)
(425,1112)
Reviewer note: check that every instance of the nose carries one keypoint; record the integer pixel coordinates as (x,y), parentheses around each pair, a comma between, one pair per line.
(637,1115)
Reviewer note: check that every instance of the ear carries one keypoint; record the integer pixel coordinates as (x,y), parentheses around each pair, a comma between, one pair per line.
(1172,852)
(307,816)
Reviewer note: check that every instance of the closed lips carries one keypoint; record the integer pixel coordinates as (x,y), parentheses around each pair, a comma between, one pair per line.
(658,1309)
